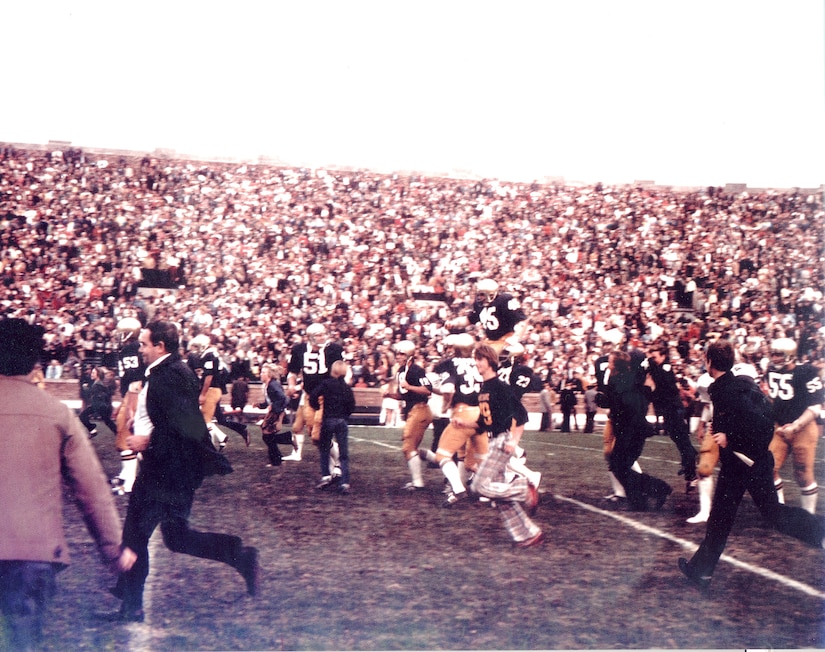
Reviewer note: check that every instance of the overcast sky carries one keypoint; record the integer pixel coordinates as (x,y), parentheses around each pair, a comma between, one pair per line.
(704,92)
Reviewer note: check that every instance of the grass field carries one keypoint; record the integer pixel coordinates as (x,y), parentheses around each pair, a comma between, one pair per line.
(383,570)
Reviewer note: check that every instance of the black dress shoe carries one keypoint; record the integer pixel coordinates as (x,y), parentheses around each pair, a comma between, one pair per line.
(662,497)
(700,582)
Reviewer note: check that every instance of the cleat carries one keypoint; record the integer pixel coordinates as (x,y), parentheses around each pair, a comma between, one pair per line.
(325,482)
(531,504)
(454,498)
(336,472)
(532,541)
(248,567)
(412,488)
(702,583)
(292,457)
(344,490)
(660,500)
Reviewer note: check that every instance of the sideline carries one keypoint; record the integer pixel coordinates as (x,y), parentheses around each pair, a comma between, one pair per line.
(641,527)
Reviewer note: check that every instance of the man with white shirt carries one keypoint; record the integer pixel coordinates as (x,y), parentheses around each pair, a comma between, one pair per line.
(171,435)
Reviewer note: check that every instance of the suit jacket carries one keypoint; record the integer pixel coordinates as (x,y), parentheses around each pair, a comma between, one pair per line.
(180,453)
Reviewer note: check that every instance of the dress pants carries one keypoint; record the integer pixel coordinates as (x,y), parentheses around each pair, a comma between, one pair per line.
(638,486)
(144,514)
(735,478)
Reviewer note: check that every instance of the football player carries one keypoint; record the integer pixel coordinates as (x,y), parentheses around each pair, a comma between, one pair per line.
(602,372)
(661,378)
(797,393)
(204,361)
(414,388)
(309,364)
(708,448)
(464,441)
(499,313)
(131,373)
(521,379)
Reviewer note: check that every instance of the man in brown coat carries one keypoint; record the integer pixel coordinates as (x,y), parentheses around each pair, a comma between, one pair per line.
(41,436)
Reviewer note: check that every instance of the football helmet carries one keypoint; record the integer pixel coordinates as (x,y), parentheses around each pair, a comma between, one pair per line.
(128,329)
(199,343)
(405,346)
(317,334)
(462,343)
(486,291)
(785,347)
(512,351)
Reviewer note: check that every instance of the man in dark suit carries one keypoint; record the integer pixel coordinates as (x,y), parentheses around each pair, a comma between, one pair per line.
(171,435)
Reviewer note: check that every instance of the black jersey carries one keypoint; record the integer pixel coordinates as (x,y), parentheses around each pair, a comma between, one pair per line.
(416,376)
(130,367)
(666,395)
(521,378)
(602,371)
(497,405)
(794,391)
(208,365)
(313,363)
(499,319)
(464,375)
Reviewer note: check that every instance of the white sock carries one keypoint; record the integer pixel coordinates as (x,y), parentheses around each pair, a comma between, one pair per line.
(415,470)
(128,469)
(808,497)
(450,471)
(780,490)
(705,500)
(618,489)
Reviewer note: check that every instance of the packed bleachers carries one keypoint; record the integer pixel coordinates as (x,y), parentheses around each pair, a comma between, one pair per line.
(251,254)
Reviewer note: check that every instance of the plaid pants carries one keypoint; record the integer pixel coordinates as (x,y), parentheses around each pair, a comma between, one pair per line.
(508,496)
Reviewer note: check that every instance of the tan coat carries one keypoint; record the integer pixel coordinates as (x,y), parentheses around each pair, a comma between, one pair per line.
(38,436)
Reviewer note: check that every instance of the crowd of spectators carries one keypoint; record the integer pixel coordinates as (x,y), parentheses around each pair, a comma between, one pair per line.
(252,254)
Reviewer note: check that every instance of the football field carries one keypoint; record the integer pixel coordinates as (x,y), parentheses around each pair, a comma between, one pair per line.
(383,570)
